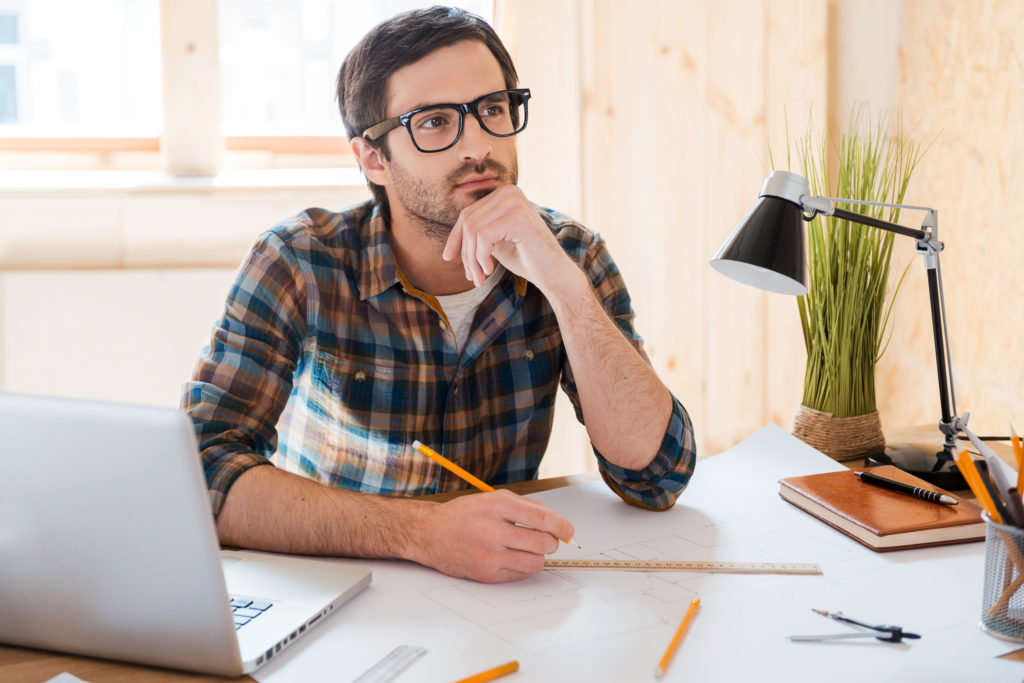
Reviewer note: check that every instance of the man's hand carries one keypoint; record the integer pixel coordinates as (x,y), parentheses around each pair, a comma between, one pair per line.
(505,226)
(489,537)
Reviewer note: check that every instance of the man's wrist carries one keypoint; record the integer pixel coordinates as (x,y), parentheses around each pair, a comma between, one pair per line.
(415,533)
(569,284)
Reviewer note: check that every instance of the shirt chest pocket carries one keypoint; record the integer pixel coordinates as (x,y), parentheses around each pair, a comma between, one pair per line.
(376,396)
(536,365)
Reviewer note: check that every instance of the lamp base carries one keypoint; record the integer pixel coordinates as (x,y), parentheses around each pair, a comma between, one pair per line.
(934,467)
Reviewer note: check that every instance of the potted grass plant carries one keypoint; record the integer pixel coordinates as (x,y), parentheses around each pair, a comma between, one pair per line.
(846,313)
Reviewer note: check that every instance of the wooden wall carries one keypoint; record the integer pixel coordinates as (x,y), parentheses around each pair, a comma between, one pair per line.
(961,86)
(678,105)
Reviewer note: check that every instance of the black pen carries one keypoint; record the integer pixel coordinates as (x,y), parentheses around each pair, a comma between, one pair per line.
(915,491)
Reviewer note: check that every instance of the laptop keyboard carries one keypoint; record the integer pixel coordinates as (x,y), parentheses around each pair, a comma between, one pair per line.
(244,610)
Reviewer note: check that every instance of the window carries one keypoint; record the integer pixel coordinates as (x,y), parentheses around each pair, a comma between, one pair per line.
(8,84)
(80,68)
(279,59)
(86,77)
(8,95)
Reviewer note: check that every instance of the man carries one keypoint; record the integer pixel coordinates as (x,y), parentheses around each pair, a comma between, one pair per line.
(447,310)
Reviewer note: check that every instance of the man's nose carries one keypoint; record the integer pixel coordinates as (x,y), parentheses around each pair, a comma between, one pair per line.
(475,143)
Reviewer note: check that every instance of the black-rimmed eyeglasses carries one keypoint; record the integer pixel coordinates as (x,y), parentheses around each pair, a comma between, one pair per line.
(439,126)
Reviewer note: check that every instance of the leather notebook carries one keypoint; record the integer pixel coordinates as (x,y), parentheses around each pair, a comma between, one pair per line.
(882,519)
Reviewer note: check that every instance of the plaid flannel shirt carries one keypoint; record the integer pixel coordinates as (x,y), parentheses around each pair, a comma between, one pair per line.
(327,362)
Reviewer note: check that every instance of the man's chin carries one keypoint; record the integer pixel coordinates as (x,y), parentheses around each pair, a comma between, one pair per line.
(481,193)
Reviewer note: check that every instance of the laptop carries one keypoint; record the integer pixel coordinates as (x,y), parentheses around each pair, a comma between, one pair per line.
(108,546)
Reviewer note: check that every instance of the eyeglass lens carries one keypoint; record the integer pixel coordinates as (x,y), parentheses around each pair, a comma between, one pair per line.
(435,128)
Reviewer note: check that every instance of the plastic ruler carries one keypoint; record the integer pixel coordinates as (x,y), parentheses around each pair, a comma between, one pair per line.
(393,663)
(686,566)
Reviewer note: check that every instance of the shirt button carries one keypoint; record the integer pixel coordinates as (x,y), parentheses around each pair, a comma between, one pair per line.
(360,376)
(455,389)
(528,354)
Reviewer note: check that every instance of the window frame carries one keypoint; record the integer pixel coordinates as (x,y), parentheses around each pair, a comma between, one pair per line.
(191,142)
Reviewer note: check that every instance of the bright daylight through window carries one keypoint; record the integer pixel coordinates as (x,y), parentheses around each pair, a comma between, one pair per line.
(70,68)
(280,58)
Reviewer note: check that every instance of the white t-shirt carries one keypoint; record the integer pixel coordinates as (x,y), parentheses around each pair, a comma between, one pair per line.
(461,308)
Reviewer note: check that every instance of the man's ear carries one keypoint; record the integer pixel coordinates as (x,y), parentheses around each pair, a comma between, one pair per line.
(370,160)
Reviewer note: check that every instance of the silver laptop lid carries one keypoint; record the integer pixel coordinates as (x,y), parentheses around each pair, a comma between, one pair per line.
(107,544)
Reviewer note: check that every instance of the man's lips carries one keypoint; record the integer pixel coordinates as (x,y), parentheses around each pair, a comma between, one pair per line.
(475,182)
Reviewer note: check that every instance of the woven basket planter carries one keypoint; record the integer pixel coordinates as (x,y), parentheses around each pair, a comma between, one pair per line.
(840,438)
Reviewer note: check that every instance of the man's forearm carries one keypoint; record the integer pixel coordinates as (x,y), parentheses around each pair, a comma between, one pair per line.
(489,537)
(625,406)
(269,509)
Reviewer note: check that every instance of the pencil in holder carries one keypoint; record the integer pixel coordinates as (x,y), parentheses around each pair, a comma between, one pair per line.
(1002,604)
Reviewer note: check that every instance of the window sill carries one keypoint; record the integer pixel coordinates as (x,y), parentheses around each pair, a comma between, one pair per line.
(142,219)
(19,184)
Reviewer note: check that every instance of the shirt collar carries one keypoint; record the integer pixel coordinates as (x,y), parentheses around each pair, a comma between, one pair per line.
(378,269)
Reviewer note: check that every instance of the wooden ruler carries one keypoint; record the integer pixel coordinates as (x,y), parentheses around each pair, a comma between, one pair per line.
(684,566)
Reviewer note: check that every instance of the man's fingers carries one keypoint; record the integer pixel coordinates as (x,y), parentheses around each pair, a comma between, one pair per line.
(529,540)
(469,246)
(453,245)
(530,513)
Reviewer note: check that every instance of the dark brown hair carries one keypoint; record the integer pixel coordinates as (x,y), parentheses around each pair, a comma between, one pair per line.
(362,87)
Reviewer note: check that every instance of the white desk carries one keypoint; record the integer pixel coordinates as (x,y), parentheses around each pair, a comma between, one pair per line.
(614,626)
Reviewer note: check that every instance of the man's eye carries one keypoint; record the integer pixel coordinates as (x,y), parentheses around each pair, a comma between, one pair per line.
(492,110)
(432,122)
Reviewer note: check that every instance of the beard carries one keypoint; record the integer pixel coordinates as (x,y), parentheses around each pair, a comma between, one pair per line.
(432,206)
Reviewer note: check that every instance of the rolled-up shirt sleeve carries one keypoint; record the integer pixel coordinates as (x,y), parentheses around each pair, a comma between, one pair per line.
(243,379)
(657,486)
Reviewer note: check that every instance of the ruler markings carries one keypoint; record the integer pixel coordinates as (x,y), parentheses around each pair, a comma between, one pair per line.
(687,566)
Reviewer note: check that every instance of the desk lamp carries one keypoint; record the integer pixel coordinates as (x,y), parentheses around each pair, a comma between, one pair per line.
(766,250)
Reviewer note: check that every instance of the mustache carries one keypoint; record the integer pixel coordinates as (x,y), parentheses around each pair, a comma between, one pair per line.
(461,172)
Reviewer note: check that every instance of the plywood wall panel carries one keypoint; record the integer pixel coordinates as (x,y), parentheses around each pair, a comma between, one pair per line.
(736,136)
(796,93)
(962,89)
(681,100)
(644,138)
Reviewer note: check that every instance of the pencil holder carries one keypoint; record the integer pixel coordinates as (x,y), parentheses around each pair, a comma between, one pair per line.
(1002,604)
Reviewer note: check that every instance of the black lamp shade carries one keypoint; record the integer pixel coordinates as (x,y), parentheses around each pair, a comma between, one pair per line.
(766,249)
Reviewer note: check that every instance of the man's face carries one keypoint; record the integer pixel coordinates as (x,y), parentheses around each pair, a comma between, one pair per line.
(431,189)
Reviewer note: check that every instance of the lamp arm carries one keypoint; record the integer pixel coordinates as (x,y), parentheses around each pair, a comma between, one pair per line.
(940,331)
(865,202)
(880,224)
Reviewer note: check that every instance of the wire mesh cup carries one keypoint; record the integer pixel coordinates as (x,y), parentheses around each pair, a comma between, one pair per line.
(1002,604)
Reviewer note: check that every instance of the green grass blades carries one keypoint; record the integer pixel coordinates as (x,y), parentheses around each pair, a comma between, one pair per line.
(846,314)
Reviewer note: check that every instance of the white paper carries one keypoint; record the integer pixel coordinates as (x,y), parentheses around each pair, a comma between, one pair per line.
(604,626)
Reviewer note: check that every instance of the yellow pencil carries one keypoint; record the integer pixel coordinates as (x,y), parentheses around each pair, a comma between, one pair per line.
(676,639)
(1018,453)
(491,674)
(973,478)
(451,467)
(455,469)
